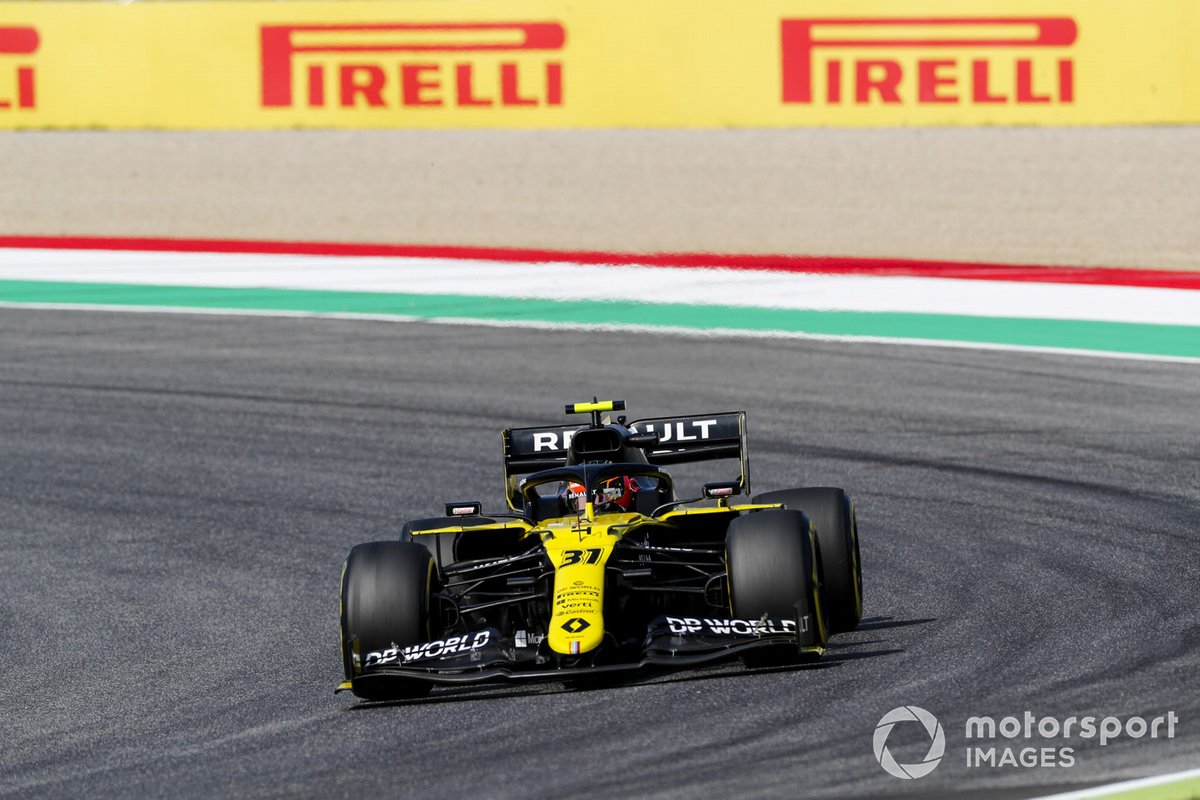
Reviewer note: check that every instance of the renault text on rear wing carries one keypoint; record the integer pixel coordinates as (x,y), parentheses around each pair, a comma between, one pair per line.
(703,437)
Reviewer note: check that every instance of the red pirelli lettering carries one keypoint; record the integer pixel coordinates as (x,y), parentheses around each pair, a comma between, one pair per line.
(1066,80)
(362,80)
(420,83)
(25,90)
(554,83)
(882,77)
(20,40)
(932,75)
(510,90)
(463,81)
(316,85)
(805,43)
(981,91)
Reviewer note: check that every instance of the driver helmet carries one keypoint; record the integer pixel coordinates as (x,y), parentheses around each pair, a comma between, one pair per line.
(574,497)
(610,495)
(616,494)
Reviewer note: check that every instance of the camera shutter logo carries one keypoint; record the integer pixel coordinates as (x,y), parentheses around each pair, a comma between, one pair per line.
(937,745)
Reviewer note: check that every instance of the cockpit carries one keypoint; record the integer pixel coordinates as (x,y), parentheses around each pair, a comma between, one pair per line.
(608,488)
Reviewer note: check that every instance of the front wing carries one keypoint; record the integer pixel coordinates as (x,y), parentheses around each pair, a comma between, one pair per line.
(486,655)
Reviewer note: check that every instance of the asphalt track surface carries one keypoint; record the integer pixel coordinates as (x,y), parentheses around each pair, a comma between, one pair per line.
(178,493)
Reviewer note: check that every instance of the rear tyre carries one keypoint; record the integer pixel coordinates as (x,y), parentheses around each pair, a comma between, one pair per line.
(774,569)
(386,590)
(833,518)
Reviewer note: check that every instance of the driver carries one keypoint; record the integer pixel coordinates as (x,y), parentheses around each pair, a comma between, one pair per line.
(616,495)
(611,496)
(574,497)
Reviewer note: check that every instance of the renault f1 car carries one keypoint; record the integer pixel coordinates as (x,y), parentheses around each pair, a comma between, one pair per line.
(597,567)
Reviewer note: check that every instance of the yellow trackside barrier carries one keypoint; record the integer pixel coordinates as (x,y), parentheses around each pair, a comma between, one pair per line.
(617,63)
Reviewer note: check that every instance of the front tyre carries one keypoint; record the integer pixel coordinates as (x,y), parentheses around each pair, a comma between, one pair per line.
(833,518)
(774,570)
(386,591)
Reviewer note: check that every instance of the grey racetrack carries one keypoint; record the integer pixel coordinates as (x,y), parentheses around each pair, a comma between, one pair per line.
(177,494)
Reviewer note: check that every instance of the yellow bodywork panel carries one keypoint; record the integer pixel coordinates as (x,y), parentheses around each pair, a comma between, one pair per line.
(579,550)
(692,512)
(514,525)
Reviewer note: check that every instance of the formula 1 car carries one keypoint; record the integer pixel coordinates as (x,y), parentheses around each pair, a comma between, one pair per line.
(597,567)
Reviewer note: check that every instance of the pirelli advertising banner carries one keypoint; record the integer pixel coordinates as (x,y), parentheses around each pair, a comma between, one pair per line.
(591,64)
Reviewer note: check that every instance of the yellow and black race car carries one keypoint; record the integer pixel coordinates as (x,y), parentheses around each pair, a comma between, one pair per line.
(598,567)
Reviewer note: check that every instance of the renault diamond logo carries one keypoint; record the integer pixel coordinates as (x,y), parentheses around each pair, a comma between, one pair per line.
(576,625)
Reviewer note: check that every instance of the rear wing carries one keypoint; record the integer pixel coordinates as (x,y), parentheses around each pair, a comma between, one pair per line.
(703,437)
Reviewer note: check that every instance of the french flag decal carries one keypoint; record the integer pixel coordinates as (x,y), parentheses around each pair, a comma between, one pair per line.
(574,648)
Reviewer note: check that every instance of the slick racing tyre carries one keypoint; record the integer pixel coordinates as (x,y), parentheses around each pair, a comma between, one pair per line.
(386,590)
(832,515)
(774,569)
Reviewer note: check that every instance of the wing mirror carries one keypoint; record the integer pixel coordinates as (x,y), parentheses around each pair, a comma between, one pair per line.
(721,490)
(470,509)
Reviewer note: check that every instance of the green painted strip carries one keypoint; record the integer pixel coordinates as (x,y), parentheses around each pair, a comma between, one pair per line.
(1117,337)
(1185,789)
